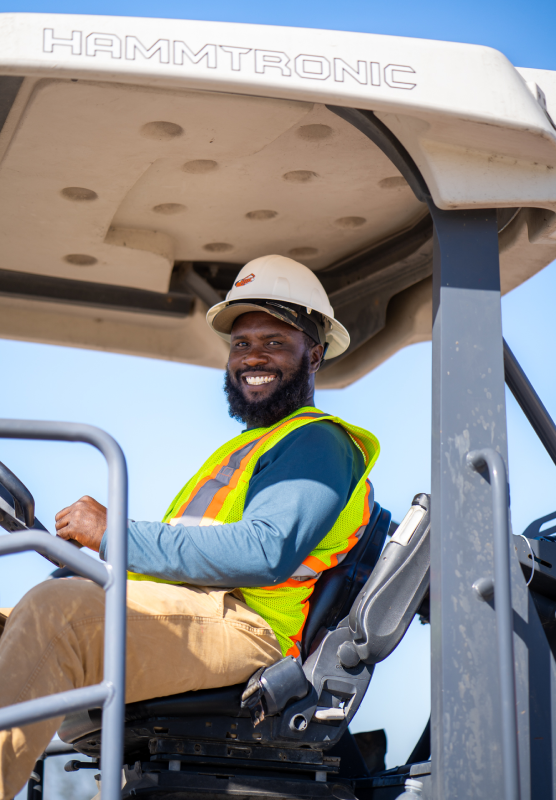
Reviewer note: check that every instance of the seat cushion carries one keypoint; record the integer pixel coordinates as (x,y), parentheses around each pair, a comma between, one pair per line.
(224,702)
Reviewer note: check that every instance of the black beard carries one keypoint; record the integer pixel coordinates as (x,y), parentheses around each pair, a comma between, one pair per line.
(287,397)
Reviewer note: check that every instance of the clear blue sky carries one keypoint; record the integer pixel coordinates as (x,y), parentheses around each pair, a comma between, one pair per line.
(169,417)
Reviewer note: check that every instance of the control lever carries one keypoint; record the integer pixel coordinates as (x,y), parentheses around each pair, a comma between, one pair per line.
(386,605)
(25,502)
(17,508)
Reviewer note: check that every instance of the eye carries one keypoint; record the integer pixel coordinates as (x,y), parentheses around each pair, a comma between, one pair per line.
(274,341)
(240,344)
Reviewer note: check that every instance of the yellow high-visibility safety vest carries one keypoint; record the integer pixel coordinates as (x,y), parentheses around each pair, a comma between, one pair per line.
(216,495)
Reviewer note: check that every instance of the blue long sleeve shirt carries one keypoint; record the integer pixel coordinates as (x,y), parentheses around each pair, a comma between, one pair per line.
(296,493)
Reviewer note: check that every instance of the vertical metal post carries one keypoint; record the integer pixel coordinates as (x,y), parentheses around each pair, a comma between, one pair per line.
(112,746)
(468,414)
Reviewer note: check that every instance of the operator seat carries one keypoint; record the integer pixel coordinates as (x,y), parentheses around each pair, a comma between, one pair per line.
(331,601)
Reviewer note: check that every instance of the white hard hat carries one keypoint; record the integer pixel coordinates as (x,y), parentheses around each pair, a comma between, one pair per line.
(287,290)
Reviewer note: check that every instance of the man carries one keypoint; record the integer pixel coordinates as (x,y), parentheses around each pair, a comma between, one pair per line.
(222,586)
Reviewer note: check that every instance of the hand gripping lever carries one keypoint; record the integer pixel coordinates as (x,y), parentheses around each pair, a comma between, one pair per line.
(396,588)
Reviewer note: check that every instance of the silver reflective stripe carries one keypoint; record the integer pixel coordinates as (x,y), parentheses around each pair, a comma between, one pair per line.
(302,578)
(359,533)
(303,573)
(197,508)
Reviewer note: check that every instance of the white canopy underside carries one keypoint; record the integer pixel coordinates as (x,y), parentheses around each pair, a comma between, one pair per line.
(121,170)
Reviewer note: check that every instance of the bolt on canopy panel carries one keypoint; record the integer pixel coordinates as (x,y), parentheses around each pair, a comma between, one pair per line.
(134,151)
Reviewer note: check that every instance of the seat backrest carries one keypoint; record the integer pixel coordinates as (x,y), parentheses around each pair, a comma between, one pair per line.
(337,588)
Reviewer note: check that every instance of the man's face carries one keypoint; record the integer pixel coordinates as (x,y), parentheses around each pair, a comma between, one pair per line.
(270,369)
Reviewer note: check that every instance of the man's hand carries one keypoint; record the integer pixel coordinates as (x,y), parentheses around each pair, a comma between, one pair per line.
(84,521)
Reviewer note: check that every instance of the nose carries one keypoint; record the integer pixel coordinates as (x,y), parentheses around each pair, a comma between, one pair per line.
(255,358)
(256,355)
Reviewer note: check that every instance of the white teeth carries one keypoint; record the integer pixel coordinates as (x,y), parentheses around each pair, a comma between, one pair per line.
(259,379)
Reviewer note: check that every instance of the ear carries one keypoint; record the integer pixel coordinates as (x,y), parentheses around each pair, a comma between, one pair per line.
(316,356)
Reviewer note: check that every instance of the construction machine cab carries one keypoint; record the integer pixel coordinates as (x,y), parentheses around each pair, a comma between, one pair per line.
(154,158)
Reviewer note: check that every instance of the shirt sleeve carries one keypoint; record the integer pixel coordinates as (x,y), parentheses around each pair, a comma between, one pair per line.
(295,495)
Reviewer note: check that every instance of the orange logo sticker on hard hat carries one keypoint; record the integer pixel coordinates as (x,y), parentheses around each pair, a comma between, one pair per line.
(245,281)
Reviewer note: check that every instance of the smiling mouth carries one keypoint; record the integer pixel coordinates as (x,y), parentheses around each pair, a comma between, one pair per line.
(258,380)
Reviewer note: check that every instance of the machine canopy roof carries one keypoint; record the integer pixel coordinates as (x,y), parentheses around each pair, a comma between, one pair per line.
(144,161)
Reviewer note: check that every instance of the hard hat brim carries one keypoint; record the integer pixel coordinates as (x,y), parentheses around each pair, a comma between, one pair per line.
(224,319)
(222,316)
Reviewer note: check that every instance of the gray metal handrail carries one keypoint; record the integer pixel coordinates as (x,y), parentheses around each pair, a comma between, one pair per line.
(112,576)
(529,401)
(481,460)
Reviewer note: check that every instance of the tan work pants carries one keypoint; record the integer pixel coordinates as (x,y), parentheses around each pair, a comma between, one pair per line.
(179,638)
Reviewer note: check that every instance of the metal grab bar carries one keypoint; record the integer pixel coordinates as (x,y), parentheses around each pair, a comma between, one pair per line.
(494,463)
(56,705)
(110,694)
(48,545)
